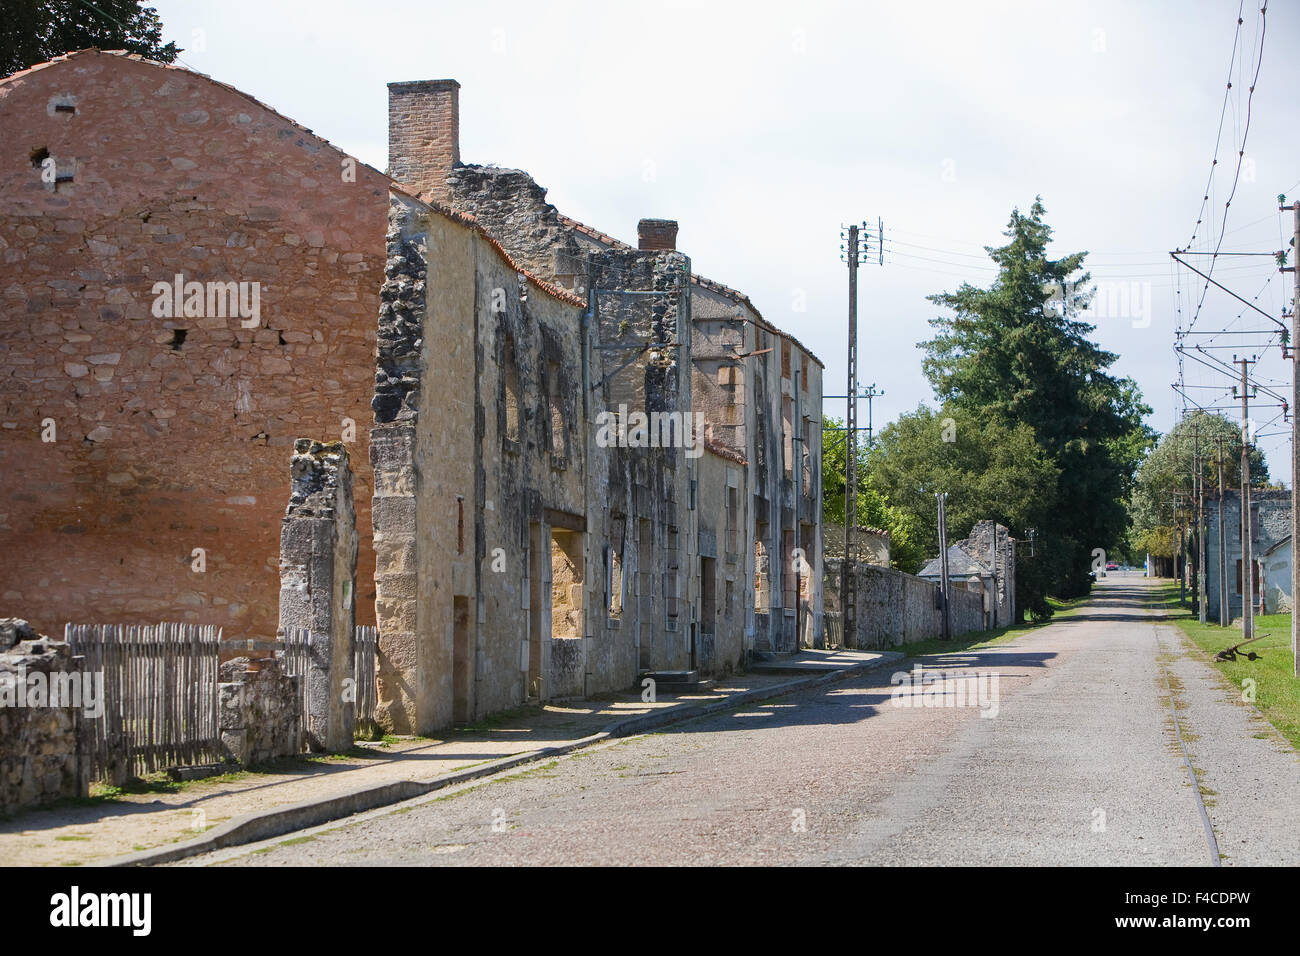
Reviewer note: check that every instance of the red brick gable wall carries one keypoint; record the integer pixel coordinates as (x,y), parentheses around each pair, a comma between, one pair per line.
(168,441)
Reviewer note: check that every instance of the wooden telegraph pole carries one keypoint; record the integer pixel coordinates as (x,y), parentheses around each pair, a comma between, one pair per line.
(1247,559)
(1295,432)
(1224,619)
(1200,523)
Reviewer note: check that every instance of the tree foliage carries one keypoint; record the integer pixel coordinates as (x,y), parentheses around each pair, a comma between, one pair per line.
(907,550)
(33,31)
(1017,352)
(1045,437)
(989,470)
(1166,476)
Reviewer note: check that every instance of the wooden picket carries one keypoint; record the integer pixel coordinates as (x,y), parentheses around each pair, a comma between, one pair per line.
(366,672)
(160,695)
(294,651)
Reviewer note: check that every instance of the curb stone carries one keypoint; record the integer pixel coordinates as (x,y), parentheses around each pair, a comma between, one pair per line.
(253,827)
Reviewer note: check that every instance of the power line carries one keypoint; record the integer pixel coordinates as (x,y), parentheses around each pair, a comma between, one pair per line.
(1241,153)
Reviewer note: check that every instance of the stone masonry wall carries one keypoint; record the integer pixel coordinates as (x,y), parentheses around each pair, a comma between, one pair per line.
(896,608)
(169,434)
(259,711)
(318,576)
(40,759)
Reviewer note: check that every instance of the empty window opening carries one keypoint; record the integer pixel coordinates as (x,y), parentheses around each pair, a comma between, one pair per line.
(708,592)
(789,576)
(614,595)
(787,433)
(559,433)
(510,385)
(566,584)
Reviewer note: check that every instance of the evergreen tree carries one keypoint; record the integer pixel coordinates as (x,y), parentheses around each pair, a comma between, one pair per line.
(33,31)
(1016,353)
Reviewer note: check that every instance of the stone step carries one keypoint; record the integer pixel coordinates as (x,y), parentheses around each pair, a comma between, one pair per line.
(676,680)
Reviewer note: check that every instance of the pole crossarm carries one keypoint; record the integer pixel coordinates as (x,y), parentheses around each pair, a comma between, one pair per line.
(1286,333)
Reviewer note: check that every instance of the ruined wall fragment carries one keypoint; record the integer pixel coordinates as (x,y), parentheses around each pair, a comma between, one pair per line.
(318,567)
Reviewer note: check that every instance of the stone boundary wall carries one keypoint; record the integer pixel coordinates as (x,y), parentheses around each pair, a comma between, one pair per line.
(40,760)
(896,608)
(260,711)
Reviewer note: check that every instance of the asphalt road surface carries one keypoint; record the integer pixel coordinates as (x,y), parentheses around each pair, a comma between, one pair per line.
(1083,752)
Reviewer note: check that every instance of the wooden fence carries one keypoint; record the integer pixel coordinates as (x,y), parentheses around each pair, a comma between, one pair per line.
(294,652)
(160,696)
(833,628)
(366,671)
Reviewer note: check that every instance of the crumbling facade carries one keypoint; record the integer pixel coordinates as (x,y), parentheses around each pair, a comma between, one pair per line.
(984,563)
(757,389)
(577,461)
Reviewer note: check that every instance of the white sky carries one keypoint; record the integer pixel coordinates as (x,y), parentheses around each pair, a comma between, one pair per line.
(762,128)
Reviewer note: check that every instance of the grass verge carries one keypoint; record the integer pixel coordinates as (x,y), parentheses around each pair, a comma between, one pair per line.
(1276,688)
(980,639)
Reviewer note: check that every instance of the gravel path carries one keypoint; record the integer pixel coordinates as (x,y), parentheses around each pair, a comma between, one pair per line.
(1080,765)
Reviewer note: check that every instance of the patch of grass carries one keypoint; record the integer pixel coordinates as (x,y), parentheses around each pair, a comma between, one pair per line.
(1277,690)
(964,642)
(1065,608)
(352,753)
(72,838)
(978,639)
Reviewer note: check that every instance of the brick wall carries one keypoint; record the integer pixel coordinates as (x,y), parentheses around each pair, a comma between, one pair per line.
(171,433)
(424,134)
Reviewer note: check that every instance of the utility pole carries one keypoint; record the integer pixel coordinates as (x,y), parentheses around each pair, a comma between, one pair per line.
(869,393)
(853,256)
(943,562)
(1295,432)
(1224,620)
(848,600)
(1180,561)
(1200,524)
(1247,559)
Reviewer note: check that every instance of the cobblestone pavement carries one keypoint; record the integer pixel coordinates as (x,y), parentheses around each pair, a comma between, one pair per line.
(1079,763)
(92,831)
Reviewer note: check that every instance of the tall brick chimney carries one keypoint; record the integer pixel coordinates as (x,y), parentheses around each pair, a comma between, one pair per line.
(424,133)
(658,234)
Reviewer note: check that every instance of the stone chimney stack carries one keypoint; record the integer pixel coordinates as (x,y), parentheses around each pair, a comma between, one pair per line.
(424,134)
(656,234)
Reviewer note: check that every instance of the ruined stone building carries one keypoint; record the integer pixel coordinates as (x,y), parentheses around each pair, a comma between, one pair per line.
(984,563)
(574,460)
(757,388)
(1270,514)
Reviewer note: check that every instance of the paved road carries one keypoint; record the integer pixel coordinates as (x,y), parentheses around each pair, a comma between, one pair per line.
(1079,762)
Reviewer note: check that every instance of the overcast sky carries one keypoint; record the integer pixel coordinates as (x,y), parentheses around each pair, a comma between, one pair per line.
(762,128)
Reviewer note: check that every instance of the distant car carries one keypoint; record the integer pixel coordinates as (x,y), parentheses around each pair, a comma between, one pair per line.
(1112,566)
